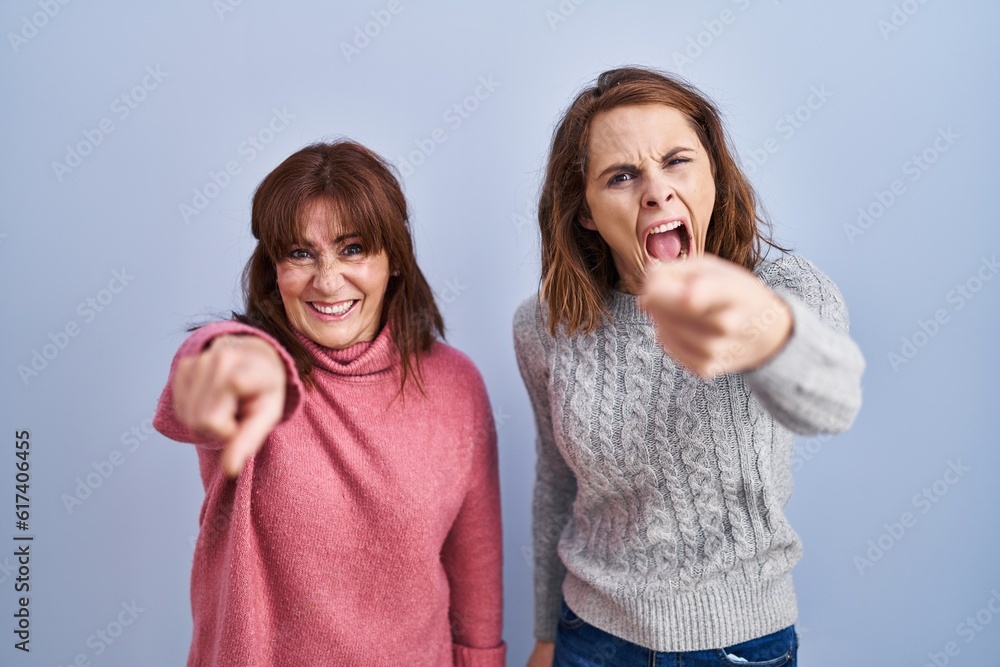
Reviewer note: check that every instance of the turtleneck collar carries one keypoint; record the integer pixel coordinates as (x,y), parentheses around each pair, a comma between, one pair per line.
(365,361)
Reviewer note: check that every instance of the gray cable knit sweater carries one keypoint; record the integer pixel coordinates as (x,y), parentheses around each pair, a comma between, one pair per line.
(659,497)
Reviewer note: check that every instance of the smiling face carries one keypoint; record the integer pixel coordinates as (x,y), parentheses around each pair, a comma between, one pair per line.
(331,286)
(650,188)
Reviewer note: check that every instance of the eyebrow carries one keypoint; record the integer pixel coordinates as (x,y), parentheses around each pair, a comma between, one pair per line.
(339,239)
(631,167)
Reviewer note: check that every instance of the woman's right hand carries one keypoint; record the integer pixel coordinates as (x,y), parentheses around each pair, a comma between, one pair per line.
(234,391)
(542,655)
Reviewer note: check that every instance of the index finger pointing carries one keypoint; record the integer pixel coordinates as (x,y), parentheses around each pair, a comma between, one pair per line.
(250,436)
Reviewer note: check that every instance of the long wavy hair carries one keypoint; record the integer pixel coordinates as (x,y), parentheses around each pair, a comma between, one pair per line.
(577,266)
(366,198)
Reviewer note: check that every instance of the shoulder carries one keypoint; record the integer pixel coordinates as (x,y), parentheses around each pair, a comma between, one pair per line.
(447,367)
(791,274)
(533,344)
(796,274)
(530,314)
(788,268)
(531,324)
(453,385)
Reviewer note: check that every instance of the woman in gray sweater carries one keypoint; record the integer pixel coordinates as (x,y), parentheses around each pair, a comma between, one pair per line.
(670,365)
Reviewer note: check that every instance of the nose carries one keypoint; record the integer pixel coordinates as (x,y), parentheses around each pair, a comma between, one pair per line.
(658,191)
(328,278)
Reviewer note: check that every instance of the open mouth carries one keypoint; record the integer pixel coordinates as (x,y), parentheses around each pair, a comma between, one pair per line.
(337,310)
(668,241)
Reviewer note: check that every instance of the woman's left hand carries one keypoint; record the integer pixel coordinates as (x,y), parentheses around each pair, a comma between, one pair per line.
(714,316)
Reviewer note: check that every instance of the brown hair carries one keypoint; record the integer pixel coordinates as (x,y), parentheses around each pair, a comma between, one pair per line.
(577,266)
(366,198)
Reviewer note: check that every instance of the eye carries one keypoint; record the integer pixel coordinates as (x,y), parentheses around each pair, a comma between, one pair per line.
(677,160)
(622,177)
(298,254)
(353,249)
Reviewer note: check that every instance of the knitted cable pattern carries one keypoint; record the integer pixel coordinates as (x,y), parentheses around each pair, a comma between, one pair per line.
(677,538)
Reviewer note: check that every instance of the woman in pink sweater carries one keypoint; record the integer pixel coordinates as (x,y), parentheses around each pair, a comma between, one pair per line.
(352,510)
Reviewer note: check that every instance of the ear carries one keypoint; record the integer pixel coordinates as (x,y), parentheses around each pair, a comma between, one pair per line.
(583,217)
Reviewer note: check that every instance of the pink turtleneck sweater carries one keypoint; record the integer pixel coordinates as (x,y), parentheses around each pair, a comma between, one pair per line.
(365,531)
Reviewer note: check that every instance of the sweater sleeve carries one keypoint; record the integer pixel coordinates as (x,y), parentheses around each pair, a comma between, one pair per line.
(555,484)
(165,420)
(813,385)
(472,554)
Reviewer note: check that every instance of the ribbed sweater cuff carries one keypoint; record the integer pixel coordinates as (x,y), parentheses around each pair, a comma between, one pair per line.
(547,614)
(812,384)
(201,337)
(466,656)
(802,351)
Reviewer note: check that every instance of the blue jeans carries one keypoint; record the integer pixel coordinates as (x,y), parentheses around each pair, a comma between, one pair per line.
(579,644)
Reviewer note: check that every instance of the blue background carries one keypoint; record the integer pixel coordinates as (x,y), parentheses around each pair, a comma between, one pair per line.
(895,78)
